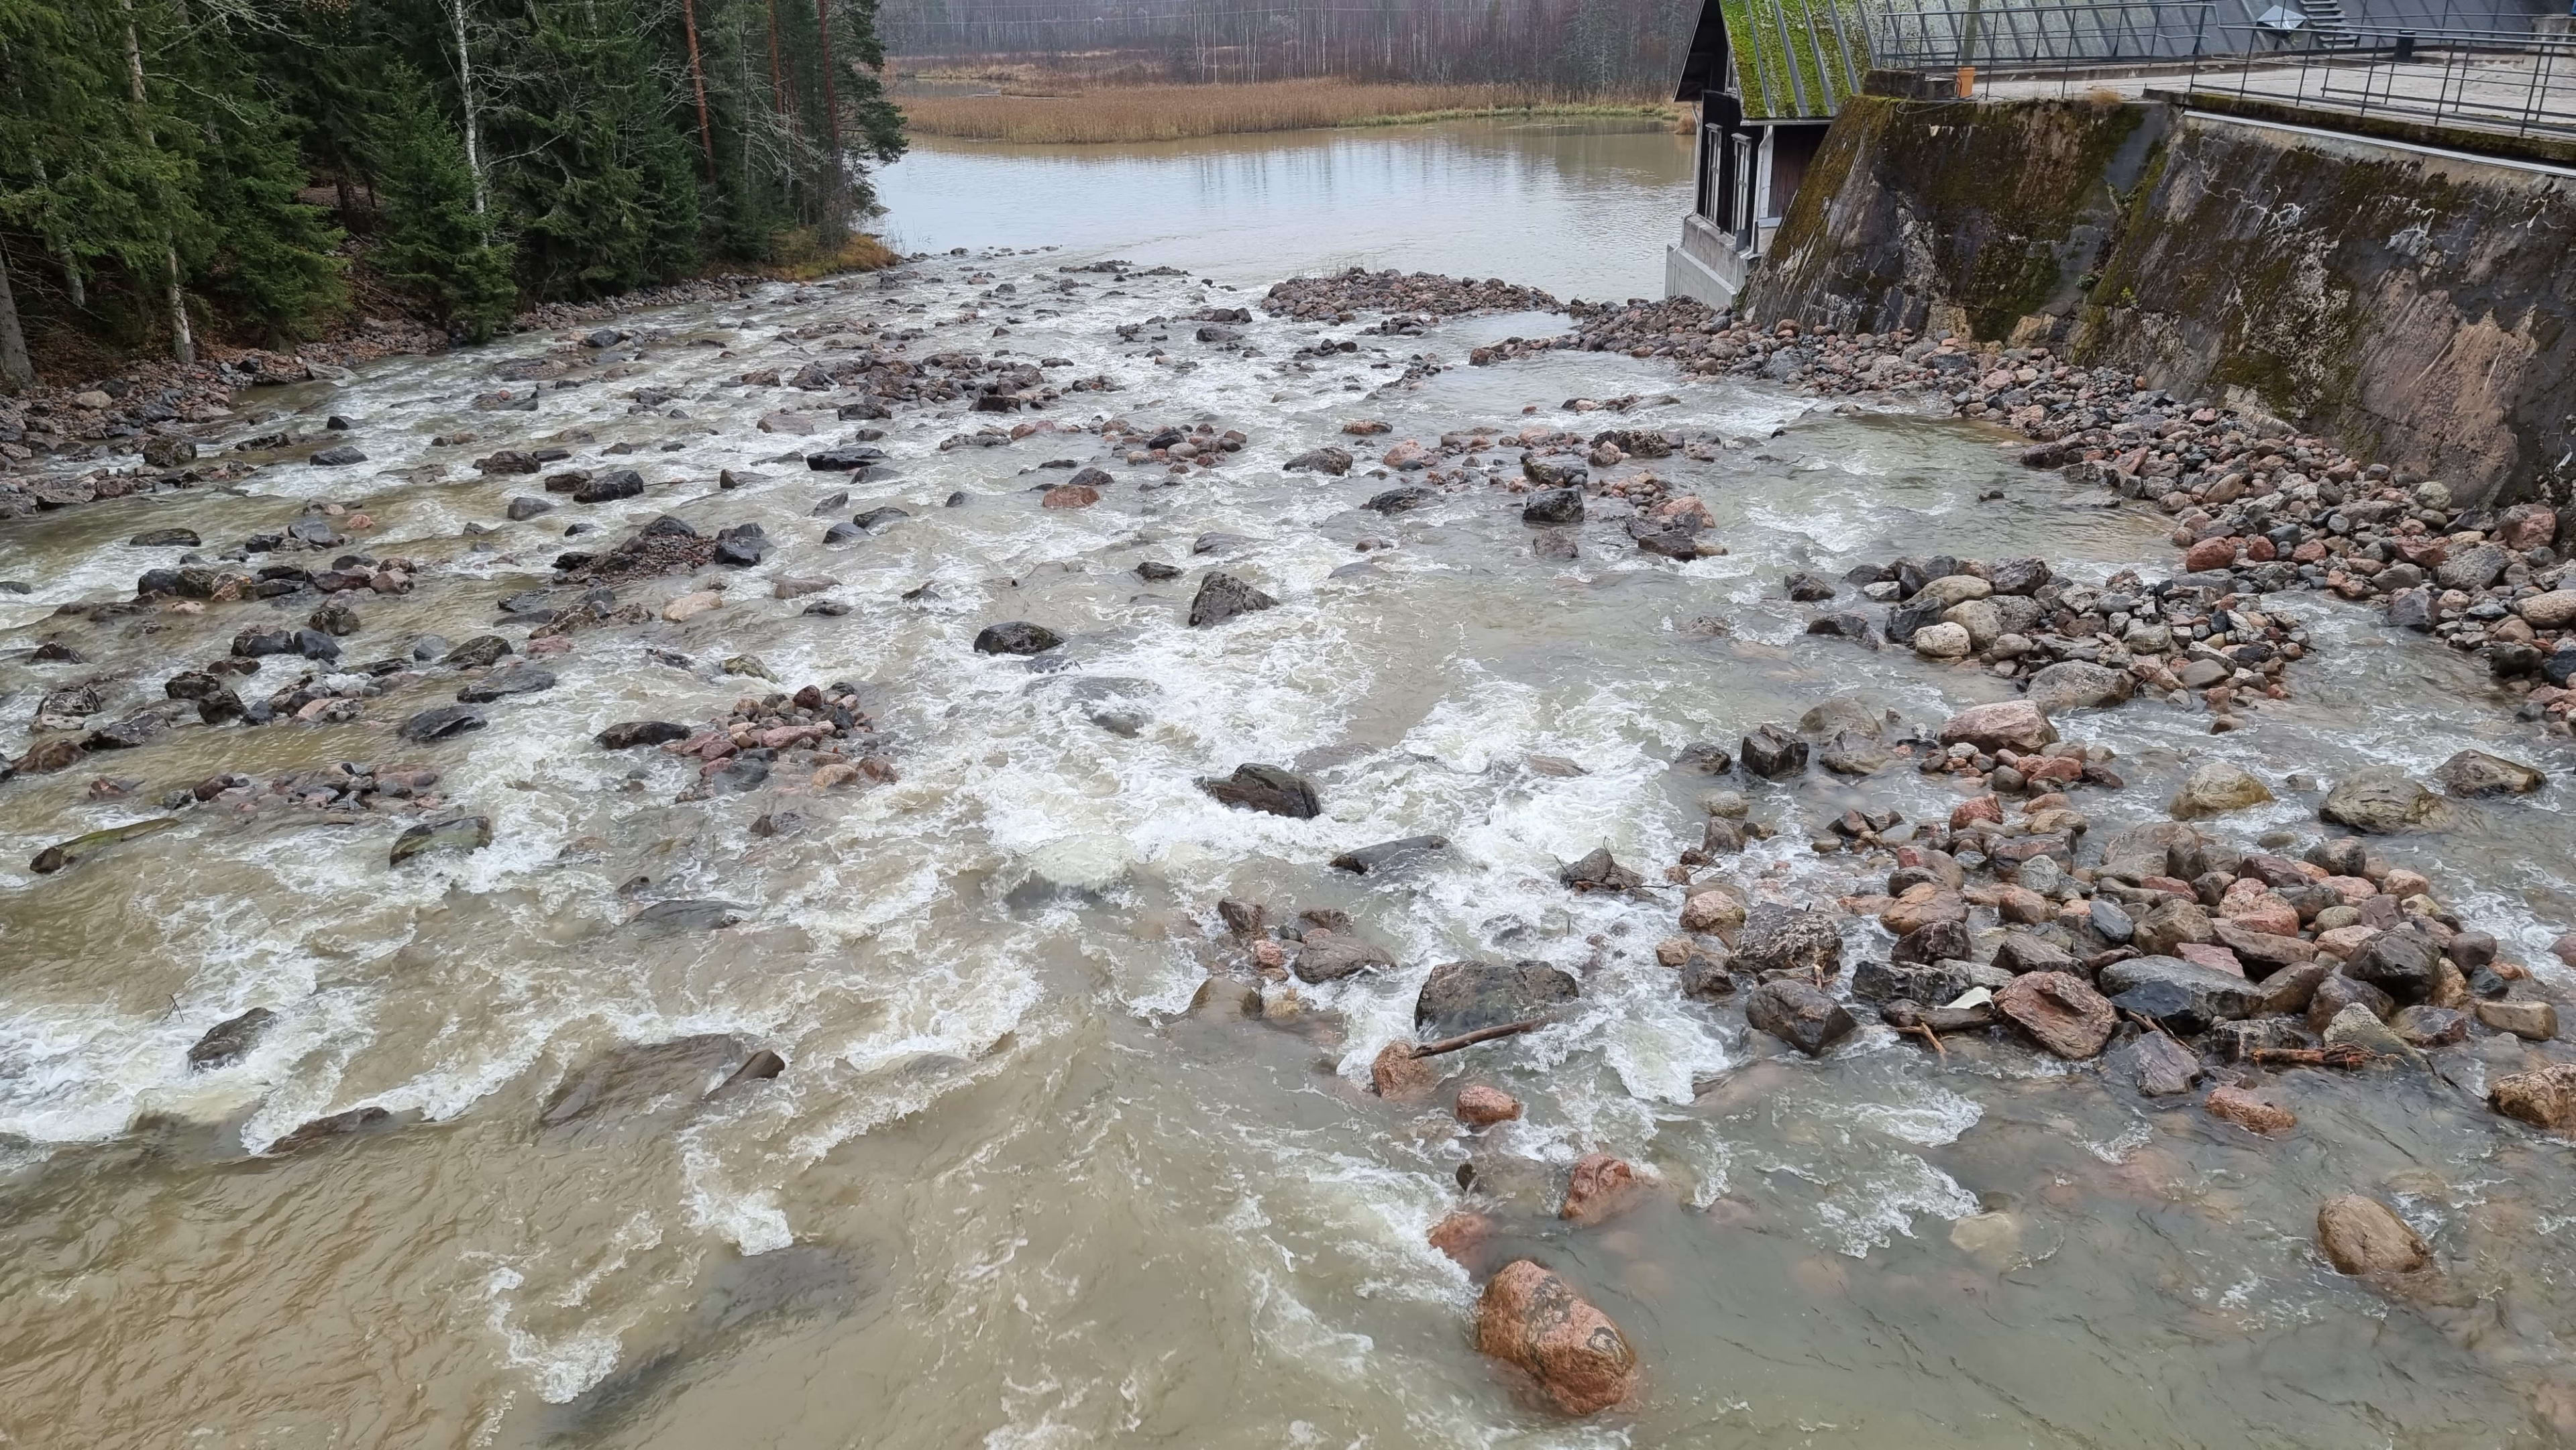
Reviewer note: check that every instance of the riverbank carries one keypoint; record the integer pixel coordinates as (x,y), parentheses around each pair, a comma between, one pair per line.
(1174,113)
(146,396)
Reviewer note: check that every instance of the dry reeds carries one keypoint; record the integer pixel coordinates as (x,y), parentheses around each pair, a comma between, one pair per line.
(1174,113)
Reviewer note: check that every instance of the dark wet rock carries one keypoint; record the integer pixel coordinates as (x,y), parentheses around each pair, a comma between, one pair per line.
(2060,1011)
(524,508)
(2381,800)
(1554,506)
(1402,500)
(520,679)
(2405,963)
(878,518)
(440,724)
(1937,982)
(1265,788)
(1155,571)
(1808,588)
(1934,941)
(845,458)
(458,834)
(1599,872)
(477,653)
(80,848)
(1533,1320)
(1846,625)
(1780,939)
(335,618)
(215,700)
(2363,1236)
(2182,996)
(739,773)
(1798,1013)
(225,1043)
(2020,951)
(679,916)
(1222,596)
(1773,752)
(1329,956)
(1466,996)
(338,457)
(634,1081)
(1389,855)
(2474,773)
(1016,637)
(1334,461)
(2019,576)
(610,486)
(627,734)
(166,539)
(434,646)
(741,546)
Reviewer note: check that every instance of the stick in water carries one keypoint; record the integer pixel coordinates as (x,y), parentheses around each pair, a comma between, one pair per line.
(1481,1034)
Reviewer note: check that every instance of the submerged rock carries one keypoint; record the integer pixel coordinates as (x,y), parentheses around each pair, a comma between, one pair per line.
(634,1080)
(2381,800)
(80,848)
(2361,1235)
(1533,1320)
(2544,1097)
(459,834)
(440,724)
(1389,855)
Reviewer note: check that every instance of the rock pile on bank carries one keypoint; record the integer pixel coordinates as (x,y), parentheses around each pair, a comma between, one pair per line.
(1344,295)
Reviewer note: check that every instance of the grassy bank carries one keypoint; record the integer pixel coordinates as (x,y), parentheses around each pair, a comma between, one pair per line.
(1174,113)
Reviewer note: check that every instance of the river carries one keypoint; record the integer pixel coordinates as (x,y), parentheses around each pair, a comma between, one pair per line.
(1012,1189)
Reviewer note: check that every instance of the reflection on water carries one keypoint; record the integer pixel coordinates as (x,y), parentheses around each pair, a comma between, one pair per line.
(1577,208)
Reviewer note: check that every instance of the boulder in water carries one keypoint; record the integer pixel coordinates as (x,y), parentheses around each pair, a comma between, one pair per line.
(1533,1320)
(1265,788)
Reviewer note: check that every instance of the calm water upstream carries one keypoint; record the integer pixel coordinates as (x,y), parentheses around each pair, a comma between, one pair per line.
(1011,1190)
(1577,209)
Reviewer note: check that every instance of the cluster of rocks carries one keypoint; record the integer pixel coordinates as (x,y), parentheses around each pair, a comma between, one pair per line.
(2486,581)
(1343,296)
(2072,645)
(818,730)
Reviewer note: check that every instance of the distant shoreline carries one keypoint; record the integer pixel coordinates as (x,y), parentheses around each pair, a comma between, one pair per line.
(1134,113)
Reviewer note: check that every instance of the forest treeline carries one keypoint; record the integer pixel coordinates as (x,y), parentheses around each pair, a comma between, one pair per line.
(1573,48)
(174,167)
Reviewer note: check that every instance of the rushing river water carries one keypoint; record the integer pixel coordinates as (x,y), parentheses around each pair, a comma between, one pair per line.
(1011,1190)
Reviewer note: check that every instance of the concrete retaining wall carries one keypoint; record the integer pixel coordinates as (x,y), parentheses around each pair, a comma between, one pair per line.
(2416,304)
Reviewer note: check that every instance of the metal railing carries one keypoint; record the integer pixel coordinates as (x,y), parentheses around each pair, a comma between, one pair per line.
(2516,81)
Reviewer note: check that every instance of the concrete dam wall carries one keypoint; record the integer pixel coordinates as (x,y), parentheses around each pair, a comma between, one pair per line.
(2411,301)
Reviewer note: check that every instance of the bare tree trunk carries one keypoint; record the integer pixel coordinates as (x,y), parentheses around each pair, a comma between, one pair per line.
(17,374)
(834,223)
(473,113)
(698,80)
(183,339)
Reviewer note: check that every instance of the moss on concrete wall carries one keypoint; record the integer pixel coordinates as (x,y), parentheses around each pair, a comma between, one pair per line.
(2420,307)
(1995,210)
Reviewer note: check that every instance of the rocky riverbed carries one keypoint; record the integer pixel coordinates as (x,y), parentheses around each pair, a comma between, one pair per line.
(1274,868)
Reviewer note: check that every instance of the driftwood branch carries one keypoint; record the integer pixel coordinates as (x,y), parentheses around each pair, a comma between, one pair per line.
(1481,1034)
(2342,1054)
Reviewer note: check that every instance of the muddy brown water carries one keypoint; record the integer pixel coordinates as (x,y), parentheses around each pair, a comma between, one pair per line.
(1010,1191)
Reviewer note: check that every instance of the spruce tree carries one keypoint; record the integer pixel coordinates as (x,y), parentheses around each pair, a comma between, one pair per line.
(432,243)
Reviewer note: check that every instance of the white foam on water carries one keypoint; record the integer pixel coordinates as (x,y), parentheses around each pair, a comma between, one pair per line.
(1931,1117)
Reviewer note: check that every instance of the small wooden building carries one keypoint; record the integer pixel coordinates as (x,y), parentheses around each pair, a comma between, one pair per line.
(1767,77)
